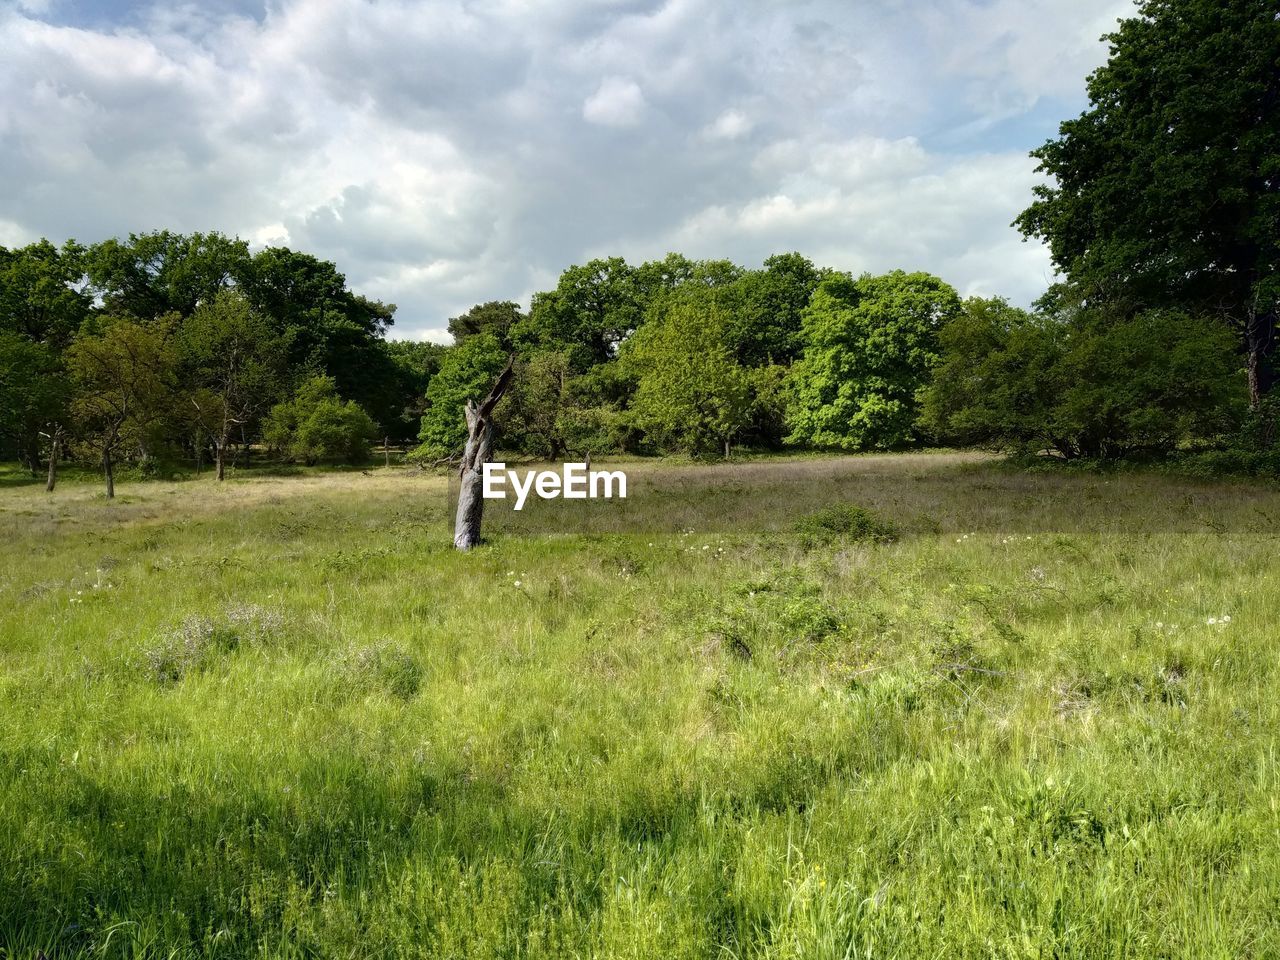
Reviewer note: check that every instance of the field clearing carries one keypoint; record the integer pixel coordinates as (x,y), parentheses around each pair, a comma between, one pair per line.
(281,717)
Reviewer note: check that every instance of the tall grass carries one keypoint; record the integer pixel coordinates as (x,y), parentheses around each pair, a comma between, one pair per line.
(280,717)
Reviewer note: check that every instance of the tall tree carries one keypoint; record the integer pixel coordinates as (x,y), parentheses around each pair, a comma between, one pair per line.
(591,311)
(1166,190)
(234,365)
(123,379)
(692,394)
(33,396)
(42,295)
(466,372)
(150,275)
(496,317)
(330,329)
(870,345)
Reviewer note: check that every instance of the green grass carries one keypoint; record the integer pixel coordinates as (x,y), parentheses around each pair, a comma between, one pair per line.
(281,717)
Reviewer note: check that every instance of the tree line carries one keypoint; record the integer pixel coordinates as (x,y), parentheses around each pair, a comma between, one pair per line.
(1162,215)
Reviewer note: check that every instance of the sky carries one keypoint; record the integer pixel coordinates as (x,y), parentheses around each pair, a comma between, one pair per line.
(450,153)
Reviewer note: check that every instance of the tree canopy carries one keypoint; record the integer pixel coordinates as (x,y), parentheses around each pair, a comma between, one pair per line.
(1166,191)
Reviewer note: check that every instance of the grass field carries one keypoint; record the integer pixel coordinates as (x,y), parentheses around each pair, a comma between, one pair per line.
(281,717)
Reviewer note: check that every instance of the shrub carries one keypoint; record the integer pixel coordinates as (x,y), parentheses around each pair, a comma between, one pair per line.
(843,523)
(317,424)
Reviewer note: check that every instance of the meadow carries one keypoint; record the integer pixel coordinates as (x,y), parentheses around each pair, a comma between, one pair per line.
(1003,714)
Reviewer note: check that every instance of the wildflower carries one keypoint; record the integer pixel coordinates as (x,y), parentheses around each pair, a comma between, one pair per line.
(517,583)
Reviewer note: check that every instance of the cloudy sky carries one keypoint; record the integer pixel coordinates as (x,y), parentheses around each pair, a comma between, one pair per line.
(454,151)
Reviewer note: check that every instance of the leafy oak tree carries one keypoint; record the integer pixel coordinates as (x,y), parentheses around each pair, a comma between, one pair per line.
(496,317)
(1166,191)
(318,424)
(691,393)
(34,392)
(234,364)
(467,371)
(123,379)
(41,293)
(592,310)
(870,345)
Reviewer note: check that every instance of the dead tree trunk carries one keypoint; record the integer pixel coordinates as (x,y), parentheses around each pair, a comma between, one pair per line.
(466,524)
(108,468)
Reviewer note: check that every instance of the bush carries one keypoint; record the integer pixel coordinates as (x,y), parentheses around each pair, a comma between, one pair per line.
(1087,386)
(317,424)
(844,523)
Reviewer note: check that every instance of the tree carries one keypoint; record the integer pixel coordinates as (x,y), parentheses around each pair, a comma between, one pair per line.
(466,372)
(592,310)
(330,330)
(123,382)
(1167,190)
(234,363)
(41,295)
(496,317)
(318,424)
(33,396)
(869,346)
(1084,385)
(415,363)
(539,404)
(151,275)
(692,395)
(767,320)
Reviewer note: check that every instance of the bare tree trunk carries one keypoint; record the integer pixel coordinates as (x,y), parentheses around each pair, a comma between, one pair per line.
(109,469)
(386,451)
(220,447)
(466,524)
(1259,337)
(55,442)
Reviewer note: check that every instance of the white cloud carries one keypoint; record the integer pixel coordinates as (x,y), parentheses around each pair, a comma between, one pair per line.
(616,103)
(730,125)
(451,152)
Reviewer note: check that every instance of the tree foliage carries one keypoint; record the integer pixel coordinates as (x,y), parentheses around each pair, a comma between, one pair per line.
(1166,191)
(869,346)
(317,424)
(466,373)
(691,392)
(1087,385)
(124,383)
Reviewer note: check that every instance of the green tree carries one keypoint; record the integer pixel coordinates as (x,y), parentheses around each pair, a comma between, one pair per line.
(34,392)
(415,362)
(496,317)
(869,346)
(767,318)
(317,424)
(592,310)
(123,379)
(41,295)
(1087,385)
(150,275)
(691,393)
(330,329)
(1166,192)
(466,373)
(234,363)
(534,413)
